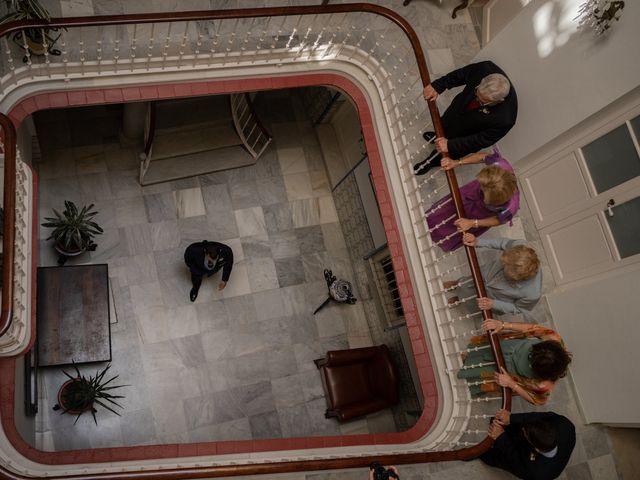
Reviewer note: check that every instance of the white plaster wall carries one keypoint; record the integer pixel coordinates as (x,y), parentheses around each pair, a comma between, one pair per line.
(562,76)
(599,323)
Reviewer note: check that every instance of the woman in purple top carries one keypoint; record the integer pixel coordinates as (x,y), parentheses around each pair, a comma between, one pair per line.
(490,200)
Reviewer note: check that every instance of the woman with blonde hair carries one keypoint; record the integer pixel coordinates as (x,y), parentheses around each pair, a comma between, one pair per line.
(513,281)
(489,200)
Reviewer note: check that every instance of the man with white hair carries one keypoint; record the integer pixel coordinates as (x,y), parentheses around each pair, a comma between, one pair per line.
(477,118)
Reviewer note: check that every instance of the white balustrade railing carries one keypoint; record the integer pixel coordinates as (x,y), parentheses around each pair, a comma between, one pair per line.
(364,45)
(19,333)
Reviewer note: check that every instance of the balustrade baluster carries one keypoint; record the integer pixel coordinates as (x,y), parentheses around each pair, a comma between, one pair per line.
(150,45)
(263,35)
(116,54)
(183,43)
(165,48)
(65,55)
(27,52)
(132,46)
(232,40)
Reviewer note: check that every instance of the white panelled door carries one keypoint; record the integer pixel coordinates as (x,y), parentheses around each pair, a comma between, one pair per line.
(585,199)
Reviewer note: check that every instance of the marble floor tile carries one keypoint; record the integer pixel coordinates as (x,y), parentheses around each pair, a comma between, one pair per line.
(211,316)
(217,345)
(250,222)
(268,164)
(245,339)
(124,184)
(194,229)
(244,195)
(305,213)
(282,361)
(216,197)
(310,239)
(265,425)
(160,207)
(319,183)
(284,244)
(189,202)
(240,310)
(249,369)
(268,304)
(138,427)
(278,217)
(271,190)
(137,238)
(440,61)
(328,213)
(290,271)
(164,235)
(258,246)
(95,186)
(298,186)
(140,269)
(294,421)
(130,211)
(275,331)
(262,274)
(292,160)
(222,225)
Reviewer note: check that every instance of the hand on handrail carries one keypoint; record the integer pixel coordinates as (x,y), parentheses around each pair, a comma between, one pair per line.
(469,239)
(430,93)
(491,324)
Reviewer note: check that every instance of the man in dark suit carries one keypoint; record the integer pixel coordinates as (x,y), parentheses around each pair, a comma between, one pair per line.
(478,116)
(206,258)
(532,446)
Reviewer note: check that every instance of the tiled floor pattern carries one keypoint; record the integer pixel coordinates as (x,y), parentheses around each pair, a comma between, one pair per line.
(236,364)
(448,44)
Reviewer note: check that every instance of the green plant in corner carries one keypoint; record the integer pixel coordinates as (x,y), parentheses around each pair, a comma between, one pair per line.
(24,10)
(74,229)
(38,40)
(79,394)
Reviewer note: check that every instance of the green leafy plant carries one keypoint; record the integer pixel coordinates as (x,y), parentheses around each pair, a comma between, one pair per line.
(82,393)
(36,38)
(74,229)
(24,10)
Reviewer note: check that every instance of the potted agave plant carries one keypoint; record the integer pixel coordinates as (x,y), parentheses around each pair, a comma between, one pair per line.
(73,229)
(35,38)
(80,394)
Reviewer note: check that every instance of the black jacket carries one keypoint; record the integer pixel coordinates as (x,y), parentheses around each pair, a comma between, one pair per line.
(469,131)
(511,451)
(194,258)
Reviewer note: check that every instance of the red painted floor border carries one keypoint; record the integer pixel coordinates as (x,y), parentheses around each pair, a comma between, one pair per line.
(420,347)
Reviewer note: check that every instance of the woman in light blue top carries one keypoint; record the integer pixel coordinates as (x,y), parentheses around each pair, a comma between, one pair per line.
(513,282)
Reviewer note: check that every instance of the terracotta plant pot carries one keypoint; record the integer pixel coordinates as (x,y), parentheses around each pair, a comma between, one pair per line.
(68,253)
(67,390)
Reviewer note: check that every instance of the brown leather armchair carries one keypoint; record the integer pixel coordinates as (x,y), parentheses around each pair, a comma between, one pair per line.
(358,381)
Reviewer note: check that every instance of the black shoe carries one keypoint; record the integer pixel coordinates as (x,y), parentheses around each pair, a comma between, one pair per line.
(427,164)
(429,136)
(193,294)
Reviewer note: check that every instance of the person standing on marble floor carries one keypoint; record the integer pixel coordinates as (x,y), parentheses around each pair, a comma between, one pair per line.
(533,446)
(478,116)
(206,258)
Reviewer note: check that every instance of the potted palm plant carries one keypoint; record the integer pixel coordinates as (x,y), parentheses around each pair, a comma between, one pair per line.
(80,394)
(37,39)
(73,229)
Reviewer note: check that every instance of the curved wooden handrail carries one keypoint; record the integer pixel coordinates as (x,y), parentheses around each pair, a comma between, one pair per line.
(8,234)
(282,467)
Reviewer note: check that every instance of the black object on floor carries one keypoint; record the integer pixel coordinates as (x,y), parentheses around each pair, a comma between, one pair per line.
(340,291)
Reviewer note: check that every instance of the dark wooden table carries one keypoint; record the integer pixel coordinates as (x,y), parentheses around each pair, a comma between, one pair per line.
(73,315)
